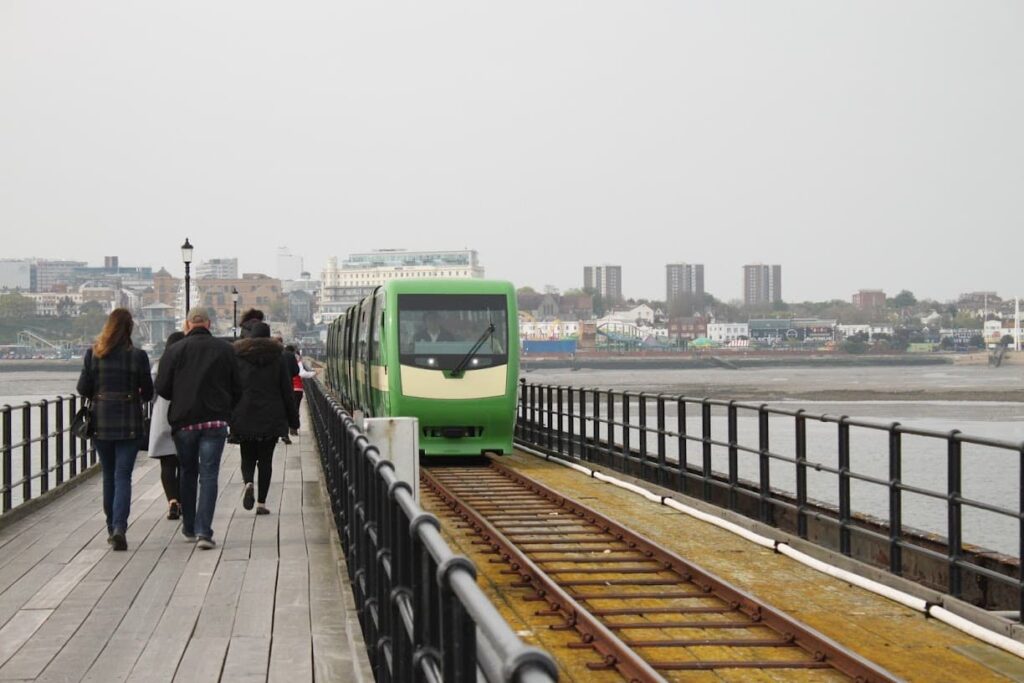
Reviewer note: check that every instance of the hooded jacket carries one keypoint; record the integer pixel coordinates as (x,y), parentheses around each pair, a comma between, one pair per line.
(267,408)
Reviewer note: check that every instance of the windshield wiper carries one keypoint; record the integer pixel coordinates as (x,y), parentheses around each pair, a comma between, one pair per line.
(461,367)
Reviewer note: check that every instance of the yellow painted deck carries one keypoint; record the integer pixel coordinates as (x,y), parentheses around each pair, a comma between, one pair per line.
(899,639)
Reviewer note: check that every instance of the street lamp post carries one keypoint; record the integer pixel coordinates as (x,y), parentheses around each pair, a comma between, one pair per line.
(234,313)
(186,256)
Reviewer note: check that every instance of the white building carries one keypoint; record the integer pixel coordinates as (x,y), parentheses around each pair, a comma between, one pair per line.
(643,313)
(15,274)
(727,332)
(548,329)
(218,269)
(869,330)
(54,304)
(341,286)
(289,265)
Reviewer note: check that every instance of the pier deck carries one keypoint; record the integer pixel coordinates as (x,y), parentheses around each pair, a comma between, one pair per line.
(904,642)
(270,602)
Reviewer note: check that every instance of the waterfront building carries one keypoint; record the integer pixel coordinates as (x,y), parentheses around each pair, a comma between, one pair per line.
(289,265)
(217,269)
(358,275)
(255,290)
(16,274)
(727,332)
(604,280)
(683,279)
(52,275)
(869,330)
(792,329)
(642,314)
(165,287)
(869,299)
(688,327)
(762,284)
(548,329)
(55,304)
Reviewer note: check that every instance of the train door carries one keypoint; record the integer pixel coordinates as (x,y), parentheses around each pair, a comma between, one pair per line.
(376,365)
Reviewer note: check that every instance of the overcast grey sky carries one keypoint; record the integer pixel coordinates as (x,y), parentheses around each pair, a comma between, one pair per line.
(859,144)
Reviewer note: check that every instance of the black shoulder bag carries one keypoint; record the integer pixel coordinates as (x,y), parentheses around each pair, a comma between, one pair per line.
(82,425)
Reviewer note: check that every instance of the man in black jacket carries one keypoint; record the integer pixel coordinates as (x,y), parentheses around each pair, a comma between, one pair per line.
(199,377)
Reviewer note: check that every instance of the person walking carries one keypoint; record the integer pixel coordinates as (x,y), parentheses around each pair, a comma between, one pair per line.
(264,414)
(301,374)
(249,318)
(199,377)
(116,378)
(161,443)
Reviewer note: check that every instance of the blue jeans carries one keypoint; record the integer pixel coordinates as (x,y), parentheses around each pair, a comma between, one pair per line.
(117,458)
(199,454)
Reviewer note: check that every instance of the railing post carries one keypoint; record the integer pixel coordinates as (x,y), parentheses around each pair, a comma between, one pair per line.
(765,466)
(642,410)
(627,455)
(560,421)
(684,479)
(734,465)
(533,415)
(72,439)
(610,444)
(896,500)
(26,451)
(596,438)
(705,423)
(44,446)
(572,423)
(955,532)
(521,422)
(458,632)
(549,416)
(662,475)
(801,474)
(6,463)
(1020,528)
(844,486)
(59,454)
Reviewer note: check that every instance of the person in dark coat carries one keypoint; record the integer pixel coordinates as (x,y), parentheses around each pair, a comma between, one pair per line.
(116,378)
(199,377)
(249,318)
(265,413)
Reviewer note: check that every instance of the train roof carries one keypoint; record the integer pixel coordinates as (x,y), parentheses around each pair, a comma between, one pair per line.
(449,286)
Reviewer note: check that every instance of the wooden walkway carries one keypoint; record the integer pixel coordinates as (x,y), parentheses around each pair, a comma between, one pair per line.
(270,603)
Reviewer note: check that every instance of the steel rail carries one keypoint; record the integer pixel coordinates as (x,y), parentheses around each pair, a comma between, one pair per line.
(823,651)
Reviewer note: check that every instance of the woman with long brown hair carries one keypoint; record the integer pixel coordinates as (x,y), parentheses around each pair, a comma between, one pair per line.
(116,378)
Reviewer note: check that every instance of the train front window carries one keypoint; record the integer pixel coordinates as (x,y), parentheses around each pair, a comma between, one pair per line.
(437,331)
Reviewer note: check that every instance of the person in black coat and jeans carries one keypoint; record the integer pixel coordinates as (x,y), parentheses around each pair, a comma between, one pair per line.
(265,413)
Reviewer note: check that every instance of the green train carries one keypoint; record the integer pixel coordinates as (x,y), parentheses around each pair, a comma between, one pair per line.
(443,351)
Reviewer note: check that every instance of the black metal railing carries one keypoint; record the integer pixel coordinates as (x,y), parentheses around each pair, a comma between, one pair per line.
(856,505)
(38,452)
(423,616)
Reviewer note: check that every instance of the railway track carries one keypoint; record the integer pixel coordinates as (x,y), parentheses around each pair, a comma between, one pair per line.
(645,612)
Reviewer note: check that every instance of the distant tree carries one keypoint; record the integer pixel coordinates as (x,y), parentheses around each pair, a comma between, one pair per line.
(976,342)
(65,306)
(1007,340)
(855,345)
(905,299)
(14,305)
(947,344)
(598,305)
(526,290)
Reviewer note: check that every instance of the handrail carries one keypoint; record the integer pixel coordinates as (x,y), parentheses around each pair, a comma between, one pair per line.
(38,473)
(636,434)
(422,613)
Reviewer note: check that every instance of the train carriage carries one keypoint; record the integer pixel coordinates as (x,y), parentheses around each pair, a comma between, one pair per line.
(443,351)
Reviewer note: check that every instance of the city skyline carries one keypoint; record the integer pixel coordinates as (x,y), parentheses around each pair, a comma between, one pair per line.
(717,134)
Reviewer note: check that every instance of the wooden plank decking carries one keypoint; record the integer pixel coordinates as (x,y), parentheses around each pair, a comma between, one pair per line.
(270,603)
